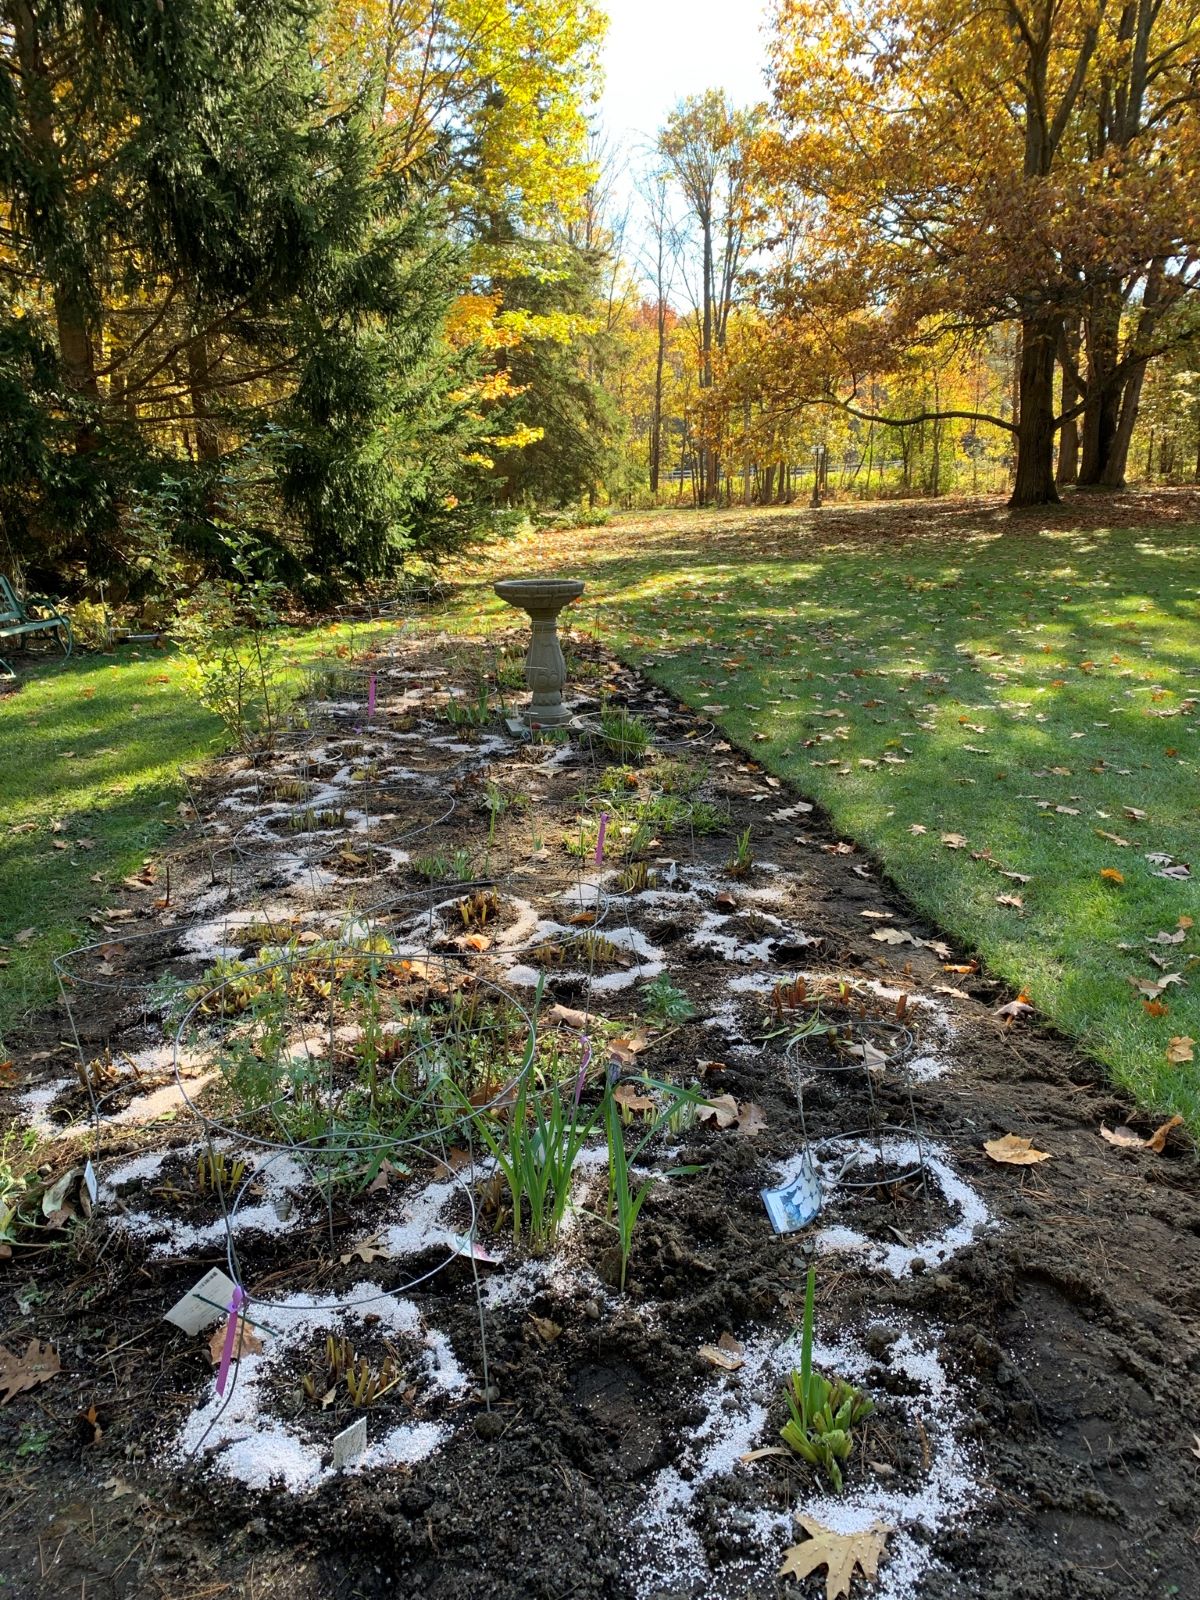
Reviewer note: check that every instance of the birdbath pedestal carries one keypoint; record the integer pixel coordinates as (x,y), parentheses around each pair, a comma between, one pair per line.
(545,669)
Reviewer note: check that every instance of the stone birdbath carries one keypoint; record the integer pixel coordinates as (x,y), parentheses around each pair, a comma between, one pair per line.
(545,669)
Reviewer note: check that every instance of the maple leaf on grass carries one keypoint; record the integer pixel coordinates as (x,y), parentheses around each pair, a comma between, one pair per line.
(841,1554)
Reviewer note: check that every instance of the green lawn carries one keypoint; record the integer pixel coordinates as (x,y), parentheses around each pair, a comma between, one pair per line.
(90,758)
(1024,685)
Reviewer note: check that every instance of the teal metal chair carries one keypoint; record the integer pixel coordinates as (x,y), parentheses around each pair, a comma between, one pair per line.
(20,619)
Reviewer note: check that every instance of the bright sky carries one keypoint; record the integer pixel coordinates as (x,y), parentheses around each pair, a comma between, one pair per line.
(657,51)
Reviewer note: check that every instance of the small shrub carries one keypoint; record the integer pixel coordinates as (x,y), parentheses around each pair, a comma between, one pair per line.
(666,1003)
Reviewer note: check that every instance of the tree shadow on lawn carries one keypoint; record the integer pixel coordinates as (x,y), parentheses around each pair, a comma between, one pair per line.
(958,677)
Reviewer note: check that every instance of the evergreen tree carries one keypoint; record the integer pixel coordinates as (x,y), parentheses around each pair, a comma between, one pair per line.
(219,303)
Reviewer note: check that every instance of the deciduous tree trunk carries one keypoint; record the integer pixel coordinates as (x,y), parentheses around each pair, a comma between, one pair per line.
(1034,484)
(1068,437)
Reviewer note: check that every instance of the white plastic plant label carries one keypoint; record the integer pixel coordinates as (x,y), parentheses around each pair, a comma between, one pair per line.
(349,1444)
(205,1302)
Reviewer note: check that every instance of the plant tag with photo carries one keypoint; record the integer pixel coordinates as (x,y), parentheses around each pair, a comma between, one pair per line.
(205,1302)
(798,1203)
(349,1444)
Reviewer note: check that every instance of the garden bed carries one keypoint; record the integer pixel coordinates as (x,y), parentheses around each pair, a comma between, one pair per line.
(1026,1333)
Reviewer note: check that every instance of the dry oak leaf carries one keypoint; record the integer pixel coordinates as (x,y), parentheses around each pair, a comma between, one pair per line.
(246,1342)
(1019,1007)
(1181,1049)
(1014,1151)
(1113,838)
(630,1101)
(954,841)
(1126,1139)
(892,936)
(727,1353)
(751,1118)
(367,1250)
(18,1373)
(842,1554)
(723,1111)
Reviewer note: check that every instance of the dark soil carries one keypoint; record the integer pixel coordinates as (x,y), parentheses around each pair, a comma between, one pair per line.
(1069,1329)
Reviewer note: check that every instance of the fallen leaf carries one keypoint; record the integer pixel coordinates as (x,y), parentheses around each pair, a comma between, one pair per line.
(1019,1007)
(1010,900)
(367,1250)
(727,1353)
(546,1329)
(1181,1049)
(1113,838)
(245,1343)
(841,1554)
(1111,875)
(778,1450)
(723,1111)
(892,936)
(564,1014)
(630,1101)
(1014,1151)
(25,935)
(1134,814)
(751,1118)
(1126,1139)
(1154,1008)
(917,828)
(954,841)
(39,1364)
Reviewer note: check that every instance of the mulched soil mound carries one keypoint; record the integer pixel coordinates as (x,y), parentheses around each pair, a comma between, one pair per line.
(1064,1324)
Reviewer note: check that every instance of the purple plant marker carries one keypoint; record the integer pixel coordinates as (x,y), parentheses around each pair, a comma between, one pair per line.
(237,1300)
(600,837)
(370,697)
(583,1066)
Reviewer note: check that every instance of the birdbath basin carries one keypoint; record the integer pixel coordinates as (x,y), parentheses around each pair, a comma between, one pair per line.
(545,669)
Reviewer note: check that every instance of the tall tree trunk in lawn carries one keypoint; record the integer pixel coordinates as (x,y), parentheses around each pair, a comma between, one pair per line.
(1034,484)
(1068,438)
(1113,476)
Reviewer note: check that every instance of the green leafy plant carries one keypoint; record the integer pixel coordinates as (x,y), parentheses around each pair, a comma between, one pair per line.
(625,1202)
(741,862)
(535,1141)
(665,1003)
(461,712)
(824,1411)
(458,867)
(623,735)
(223,630)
